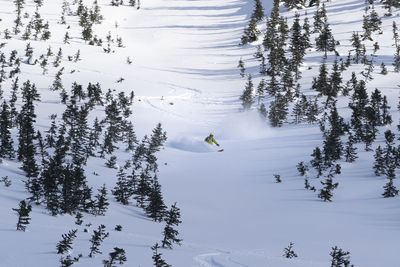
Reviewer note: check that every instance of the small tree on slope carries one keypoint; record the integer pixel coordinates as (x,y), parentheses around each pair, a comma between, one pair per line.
(23,215)
(172,218)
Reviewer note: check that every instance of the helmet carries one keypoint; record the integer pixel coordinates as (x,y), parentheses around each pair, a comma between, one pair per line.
(211,134)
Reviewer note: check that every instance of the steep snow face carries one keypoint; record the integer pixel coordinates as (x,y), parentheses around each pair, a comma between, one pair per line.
(184,75)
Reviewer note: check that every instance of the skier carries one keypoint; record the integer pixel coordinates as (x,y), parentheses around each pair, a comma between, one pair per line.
(210,139)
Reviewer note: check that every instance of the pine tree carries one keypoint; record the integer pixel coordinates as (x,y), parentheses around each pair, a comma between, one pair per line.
(288,252)
(390,189)
(172,218)
(96,239)
(386,117)
(156,207)
(278,111)
(356,43)
(297,46)
(339,257)
(118,255)
(241,67)
(26,148)
(317,161)
(379,165)
(65,245)
(321,83)
(247,95)
(123,189)
(325,41)
(302,168)
(6,142)
(384,70)
(157,260)
(263,111)
(335,80)
(350,150)
(326,192)
(23,215)
(101,204)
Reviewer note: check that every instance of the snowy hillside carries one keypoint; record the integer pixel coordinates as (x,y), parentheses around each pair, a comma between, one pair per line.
(180,60)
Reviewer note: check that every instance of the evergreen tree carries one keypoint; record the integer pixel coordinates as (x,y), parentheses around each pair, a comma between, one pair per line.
(297,46)
(350,150)
(317,161)
(6,142)
(123,189)
(258,13)
(390,189)
(325,41)
(157,260)
(339,257)
(263,111)
(321,83)
(26,148)
(278,111)
(247,96)
(326,192)
(356,43)
(23,215)
(241,67)
(172,218)
(65,245)
(118,255)
(288,252)
(156,207)
(96,239)
(101,204)
(379,165)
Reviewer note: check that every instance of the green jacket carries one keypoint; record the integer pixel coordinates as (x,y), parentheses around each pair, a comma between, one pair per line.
(210,139)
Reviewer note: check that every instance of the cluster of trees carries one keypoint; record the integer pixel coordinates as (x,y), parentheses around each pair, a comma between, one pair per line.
(281,57)
(339,257)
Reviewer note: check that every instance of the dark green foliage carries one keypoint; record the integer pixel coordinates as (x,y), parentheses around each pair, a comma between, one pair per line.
(157,260)
(172,218)
(317,161)
(78,218)
(101,204)
(6,142)
(379,165)
(390,189)
(278,111)
(288,252)
(96,239)
(302,168)
(65,245)
(263,111)
(23,215)
(325,41)
(116,257)
(340,258)
(26,148)
(156,207)
(326,192)
(247,95)
(123,189)
(350,151)
(241,67)
(277,178)
(111,162)
(118,228)
(321,83)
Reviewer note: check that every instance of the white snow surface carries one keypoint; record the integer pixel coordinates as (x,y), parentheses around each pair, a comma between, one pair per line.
(184,75)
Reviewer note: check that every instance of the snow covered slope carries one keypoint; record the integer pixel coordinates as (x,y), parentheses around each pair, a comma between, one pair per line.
(184,75)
